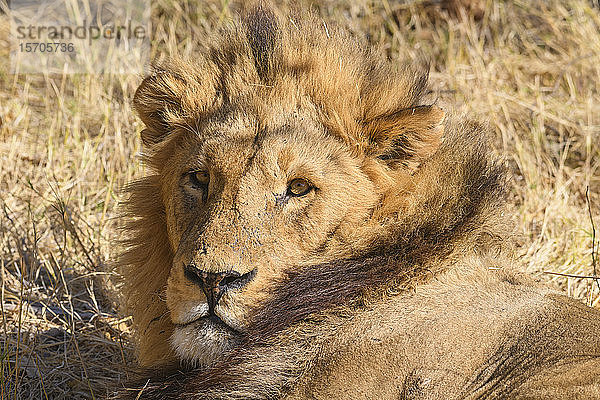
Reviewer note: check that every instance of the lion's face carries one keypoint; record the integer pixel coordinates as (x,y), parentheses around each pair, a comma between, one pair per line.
(244,203)
(257,171)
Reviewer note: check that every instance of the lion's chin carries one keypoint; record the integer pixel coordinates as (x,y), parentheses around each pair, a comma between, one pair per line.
(202,342)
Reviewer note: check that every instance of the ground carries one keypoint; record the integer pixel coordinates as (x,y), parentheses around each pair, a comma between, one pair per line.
(69,143)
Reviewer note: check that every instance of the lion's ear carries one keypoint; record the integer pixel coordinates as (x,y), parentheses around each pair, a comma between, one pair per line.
(406,137)
(157,100)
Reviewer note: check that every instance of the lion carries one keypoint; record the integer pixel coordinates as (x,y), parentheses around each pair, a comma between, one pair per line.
(311,227)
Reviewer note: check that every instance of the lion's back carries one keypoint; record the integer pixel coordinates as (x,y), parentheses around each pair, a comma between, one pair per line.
(484,336)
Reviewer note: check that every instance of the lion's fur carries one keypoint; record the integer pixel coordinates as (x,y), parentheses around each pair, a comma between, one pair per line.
(415,277)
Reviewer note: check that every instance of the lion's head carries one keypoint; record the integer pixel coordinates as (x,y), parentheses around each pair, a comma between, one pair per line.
(281,146)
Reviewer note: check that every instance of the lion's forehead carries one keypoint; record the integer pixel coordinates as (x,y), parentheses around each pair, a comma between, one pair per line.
(257,146)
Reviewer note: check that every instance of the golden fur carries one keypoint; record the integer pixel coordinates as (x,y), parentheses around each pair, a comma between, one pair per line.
(403,197)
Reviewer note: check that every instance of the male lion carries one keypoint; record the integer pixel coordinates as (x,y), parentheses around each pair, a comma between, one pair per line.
(310,229)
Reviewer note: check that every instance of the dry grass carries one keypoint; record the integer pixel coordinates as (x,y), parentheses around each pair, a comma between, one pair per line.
(68,143)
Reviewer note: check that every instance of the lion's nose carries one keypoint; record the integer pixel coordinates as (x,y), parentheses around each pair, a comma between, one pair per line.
(214,284)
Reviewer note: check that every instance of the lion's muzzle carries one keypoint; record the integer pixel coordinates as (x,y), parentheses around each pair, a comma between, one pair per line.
(215,284)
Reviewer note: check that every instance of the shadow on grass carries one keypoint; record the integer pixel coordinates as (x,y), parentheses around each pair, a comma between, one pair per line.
(62,337)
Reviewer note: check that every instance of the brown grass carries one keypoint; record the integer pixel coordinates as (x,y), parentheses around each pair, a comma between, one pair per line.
(68,143)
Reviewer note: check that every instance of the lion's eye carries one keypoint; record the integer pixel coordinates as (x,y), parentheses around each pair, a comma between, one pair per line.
(299,187)
(199,178)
